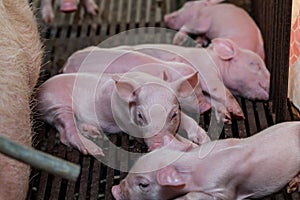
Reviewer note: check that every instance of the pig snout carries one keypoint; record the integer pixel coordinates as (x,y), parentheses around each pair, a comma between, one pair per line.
(154,142)
(266,84)
(167,20)
(68,5)
(172,22)
(265,91)
(161,122)
(260,90)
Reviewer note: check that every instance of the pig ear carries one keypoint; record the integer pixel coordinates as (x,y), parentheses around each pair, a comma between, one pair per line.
(185,85)
(126,88)
(115,190)
(168,176)
(225,48)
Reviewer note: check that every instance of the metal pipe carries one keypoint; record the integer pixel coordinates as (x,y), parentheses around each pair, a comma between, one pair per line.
(39,160)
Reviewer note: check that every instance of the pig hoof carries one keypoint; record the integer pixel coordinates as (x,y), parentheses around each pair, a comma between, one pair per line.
(73,138)
(223,116)
(180,38)
(201,42)
(199,136)
(90,131)
(294,184)
(86,146)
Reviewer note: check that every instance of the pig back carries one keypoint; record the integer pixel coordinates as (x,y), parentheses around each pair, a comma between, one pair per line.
(236,24)
(20,59)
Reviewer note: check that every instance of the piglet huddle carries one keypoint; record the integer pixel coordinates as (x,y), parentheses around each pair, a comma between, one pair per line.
(151,91)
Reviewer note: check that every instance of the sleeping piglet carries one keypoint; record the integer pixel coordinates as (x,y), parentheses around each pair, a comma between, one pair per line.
(136,103)
(224,169)
(212,20)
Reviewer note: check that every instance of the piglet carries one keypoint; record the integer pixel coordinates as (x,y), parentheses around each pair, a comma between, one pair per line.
(66,6)
(20,61)
(225,169)
(105,60)
(137,103)
(213,20)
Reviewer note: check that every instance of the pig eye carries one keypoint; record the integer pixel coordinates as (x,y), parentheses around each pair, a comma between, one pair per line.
(174,115)
(255,64)
(140,116)
(141,120)
(143,186)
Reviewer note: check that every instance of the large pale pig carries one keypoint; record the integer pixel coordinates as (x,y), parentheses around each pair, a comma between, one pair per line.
(212,20)
(66,6)
(225,169)
(102,60)
(20,60)
(135,102)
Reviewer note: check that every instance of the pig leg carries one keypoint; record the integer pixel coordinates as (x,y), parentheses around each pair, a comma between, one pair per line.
(233,106)
(196,195)
(47,11)
(90,6)
(194,131)
(68,5)
(294,184)
(69,134)
(197,27)
(221,112)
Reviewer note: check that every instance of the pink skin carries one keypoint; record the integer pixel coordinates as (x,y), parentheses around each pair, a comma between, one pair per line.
(124,102)
(198,18)
(120,61)
(66,6)
(177,19)
(222,63)
(267,160)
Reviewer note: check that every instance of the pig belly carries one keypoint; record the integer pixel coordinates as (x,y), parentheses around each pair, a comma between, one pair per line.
(20,58)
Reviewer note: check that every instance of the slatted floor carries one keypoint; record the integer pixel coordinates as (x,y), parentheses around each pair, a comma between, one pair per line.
(71,32)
